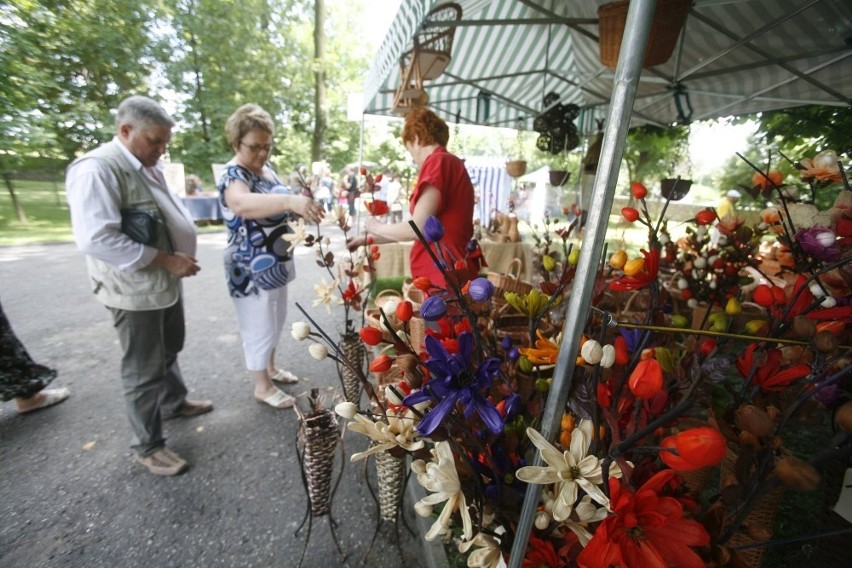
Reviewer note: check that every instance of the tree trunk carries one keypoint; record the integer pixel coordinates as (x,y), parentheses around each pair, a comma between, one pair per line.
(19,210)
(319,81)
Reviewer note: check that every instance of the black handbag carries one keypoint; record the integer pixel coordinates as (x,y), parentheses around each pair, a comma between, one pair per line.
(142,226)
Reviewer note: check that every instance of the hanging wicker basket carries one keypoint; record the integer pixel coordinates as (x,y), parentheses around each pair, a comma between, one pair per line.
(558,178)
(669,18)
(516,168)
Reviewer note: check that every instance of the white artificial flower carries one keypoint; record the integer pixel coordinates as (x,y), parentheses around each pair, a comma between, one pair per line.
(586,512)
(399,430)
(318,351)
(326,294)
(442,480)
(300,330)
(298,235)
(346,409)
(486,555)
(570,470)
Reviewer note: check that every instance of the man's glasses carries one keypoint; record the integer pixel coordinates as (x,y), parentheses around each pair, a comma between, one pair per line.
(257,148)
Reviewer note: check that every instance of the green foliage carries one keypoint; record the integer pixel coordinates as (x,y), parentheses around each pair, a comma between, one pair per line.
(806,130)
(66,63)
(652,153)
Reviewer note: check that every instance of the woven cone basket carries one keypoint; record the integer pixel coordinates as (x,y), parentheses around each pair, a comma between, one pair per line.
(354,351)
(317,436)
(390,472)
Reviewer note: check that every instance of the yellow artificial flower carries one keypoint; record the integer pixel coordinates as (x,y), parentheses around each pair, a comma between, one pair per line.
(298,235)
(399,430)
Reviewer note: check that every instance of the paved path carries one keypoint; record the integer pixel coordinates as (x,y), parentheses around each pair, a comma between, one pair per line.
(70,494)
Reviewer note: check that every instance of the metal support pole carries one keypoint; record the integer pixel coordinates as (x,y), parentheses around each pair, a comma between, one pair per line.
(634,42)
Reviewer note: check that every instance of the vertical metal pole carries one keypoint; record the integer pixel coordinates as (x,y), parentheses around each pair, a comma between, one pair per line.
(636,32)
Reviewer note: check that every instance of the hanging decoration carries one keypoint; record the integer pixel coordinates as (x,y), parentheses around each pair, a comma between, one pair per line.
(557,132)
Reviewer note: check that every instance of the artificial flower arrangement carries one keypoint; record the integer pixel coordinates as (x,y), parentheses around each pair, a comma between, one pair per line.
(657,411)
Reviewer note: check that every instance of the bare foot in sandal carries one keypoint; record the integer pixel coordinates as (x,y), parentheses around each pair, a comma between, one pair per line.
(283,377)
(276,399)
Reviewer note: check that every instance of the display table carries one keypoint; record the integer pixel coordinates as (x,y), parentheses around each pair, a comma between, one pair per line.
(394,258)
(203,207)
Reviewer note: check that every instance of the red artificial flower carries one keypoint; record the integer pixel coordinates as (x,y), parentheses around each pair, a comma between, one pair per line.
(370,335)
(377,207)
(646,530)
(705,217)
(622,353)
(422,283)
(673,460)
(381,364)
(644,277)
(352,295)
(646,380)
(630,214)
(363,170)
(769,375)
(404,311)
(540,552)
(638,190)
(696,448)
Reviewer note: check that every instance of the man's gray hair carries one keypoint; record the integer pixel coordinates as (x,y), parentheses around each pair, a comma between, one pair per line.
(142,112)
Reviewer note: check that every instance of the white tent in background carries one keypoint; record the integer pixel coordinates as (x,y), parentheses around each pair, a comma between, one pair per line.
(492,183)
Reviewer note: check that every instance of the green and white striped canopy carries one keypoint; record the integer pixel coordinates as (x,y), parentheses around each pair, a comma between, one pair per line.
(733,57)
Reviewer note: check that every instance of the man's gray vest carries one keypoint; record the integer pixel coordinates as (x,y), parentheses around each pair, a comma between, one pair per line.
(148,288)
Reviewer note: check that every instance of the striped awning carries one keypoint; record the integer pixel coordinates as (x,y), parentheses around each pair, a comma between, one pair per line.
(734,57)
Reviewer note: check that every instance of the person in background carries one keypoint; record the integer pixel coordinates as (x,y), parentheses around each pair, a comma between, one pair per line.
(443,189)
(193,185)
(351,189)
(323,192)
(727,205)
(139,283)
(257,208)
(21,378)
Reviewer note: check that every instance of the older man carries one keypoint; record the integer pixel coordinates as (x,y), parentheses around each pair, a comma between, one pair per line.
(137,274)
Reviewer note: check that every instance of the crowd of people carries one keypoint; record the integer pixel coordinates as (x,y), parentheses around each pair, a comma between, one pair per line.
(139,243)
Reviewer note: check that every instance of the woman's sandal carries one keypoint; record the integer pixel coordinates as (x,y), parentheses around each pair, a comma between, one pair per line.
(284,377)
(49,397)
(278,399)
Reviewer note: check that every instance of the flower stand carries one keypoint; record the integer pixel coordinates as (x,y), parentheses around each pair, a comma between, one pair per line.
(354,351)
(391,479)
(317,438)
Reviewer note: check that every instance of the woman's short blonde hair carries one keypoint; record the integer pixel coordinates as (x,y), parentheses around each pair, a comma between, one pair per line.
(245,119)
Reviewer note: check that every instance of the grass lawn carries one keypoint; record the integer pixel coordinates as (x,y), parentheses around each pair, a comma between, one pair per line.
(48,218)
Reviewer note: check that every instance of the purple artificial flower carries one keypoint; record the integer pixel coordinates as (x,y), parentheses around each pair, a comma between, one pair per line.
(433,308)
(453,380)
(827,395)
(514,354)
(513,405)
(506,343)
(472,245)
(632,337)
(819,243)
(433,230)
(481,289)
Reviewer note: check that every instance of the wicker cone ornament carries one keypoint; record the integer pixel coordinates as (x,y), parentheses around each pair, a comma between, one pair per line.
(354,351)
(317,438)
(390,472)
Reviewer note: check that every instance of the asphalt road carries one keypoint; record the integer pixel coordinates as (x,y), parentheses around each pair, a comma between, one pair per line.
(71,494)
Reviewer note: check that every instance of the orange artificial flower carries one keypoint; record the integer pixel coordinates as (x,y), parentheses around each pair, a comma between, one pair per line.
(646,380)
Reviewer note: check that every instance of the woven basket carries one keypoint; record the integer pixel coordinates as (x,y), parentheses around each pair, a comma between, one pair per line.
(763,513)
(669,18)
(412,294)
(390,472)
(508,282)
(373,317)
(354,351)
(516,168)
(317,440)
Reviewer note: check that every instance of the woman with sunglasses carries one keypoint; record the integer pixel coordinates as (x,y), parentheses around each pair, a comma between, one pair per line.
(257,208)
